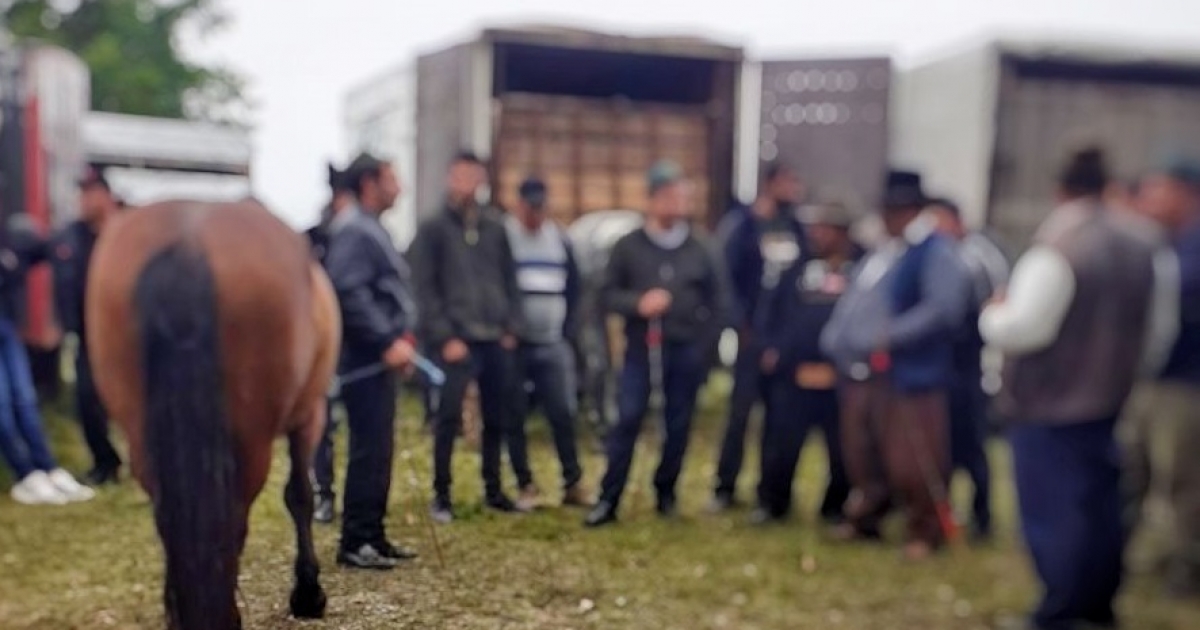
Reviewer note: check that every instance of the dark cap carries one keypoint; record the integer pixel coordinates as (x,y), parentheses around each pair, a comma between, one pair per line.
(902,189)
(831,213)
(533,192)
(663,174)
(93,176)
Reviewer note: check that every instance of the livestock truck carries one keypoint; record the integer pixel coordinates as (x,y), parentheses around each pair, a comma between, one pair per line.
(991,123)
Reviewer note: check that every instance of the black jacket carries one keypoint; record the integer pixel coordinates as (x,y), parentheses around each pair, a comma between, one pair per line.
(21,250)
(71,256)
(800,306)
(465,279)
(373,287)
(690,273)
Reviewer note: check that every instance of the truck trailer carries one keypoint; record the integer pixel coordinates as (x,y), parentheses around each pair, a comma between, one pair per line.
(589,112)
(991,124)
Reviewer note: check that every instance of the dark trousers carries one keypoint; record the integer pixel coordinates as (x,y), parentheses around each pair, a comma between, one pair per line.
(92,416)
(750,386)
(895,444)
(968,445)
(323,460)
(794,412)
(683,369)
(371,415)
(1068,489)
(551,370)
(490,365)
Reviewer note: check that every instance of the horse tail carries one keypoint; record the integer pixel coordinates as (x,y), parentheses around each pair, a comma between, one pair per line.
(190,451)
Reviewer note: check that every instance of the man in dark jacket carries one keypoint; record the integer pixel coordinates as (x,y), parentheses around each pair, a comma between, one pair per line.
(760,243)
(378,319)
(665,283)
(319,236)
(803,383)
(72,250)
(988,272)
(467,288)
(892,334)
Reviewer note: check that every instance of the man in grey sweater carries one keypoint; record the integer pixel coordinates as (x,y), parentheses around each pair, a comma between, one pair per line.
(1091,304)
(549,282)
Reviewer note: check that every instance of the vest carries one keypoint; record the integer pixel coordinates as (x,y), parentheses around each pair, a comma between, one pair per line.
(929,365)
(1088,371)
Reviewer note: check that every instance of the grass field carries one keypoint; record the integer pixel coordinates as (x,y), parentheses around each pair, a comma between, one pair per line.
(97,565)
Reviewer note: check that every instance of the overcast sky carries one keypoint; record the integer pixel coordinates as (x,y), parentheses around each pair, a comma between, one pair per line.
(301,56)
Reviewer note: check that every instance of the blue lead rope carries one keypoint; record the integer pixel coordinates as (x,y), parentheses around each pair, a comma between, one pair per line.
(436,376)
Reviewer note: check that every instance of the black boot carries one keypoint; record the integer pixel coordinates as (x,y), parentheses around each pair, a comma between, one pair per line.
(603,514)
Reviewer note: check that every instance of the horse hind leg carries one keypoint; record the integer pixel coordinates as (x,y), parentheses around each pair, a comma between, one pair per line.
(308,598)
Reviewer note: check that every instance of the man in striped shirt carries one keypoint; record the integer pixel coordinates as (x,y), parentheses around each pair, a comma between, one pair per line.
(549,282)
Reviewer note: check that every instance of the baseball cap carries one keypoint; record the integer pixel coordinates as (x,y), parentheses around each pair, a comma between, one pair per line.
(533,192)
(663,174)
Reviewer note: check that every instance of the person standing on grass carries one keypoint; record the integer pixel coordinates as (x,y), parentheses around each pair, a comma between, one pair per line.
(988,269)
(803,386)
(23,444)
(1161,424)
(323,461)
(378,318)
(1091,304)
(471,314)
(72,251)
(550,289)
(760,243)
(892,333)
(665,282)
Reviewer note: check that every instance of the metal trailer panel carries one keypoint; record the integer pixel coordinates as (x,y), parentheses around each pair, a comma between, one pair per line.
(828,119)
(444,108)
(163,143)
(380,118)
(580,39)
(1044,117)
(945,127)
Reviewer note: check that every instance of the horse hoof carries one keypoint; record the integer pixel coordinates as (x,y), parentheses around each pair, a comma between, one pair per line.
(308,603)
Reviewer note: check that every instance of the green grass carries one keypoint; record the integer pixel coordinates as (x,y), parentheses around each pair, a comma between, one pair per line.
(98,565)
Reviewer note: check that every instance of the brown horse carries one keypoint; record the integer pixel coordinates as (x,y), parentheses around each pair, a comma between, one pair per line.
(214,332)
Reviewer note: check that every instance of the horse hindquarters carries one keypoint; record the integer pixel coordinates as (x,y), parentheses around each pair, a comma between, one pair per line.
(191,465)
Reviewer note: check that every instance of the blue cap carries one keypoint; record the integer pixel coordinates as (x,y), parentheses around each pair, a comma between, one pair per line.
(663,174)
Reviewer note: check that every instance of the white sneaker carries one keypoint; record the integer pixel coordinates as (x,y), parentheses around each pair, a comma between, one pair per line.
(37,489)
(69,488)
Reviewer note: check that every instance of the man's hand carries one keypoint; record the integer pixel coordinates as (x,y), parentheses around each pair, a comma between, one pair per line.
(508,342)
(399,355)
(654,303)
(997,298)
(769,361)
(455,351)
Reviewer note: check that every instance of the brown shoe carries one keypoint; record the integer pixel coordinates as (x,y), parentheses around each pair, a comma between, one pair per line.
(529,499)
(576,496)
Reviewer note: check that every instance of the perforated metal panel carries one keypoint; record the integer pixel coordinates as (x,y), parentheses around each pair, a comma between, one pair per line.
(828,119)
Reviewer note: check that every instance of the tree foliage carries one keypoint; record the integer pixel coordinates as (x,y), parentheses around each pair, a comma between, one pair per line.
(132,50)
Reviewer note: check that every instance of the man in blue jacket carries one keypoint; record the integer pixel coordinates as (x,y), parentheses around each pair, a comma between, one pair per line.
(760,243)
(893,335)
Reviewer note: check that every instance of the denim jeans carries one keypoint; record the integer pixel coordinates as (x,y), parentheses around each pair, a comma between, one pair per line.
(22,440)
